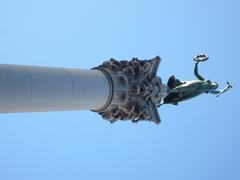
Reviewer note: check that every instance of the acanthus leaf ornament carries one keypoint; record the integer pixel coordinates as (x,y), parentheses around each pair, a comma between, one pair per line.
(136,91)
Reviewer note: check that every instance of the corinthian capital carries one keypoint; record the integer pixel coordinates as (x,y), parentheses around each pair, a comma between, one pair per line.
(136,90)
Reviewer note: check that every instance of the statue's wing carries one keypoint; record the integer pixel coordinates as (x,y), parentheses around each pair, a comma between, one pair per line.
(173,82)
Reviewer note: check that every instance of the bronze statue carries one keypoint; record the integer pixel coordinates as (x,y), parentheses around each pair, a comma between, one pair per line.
(183,90)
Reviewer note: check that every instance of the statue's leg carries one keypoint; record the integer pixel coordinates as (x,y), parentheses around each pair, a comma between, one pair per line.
(172,98)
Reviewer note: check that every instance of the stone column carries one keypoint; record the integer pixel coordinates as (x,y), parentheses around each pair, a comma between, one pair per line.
(32,88)
(125,90)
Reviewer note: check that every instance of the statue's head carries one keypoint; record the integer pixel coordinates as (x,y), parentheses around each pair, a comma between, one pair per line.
(214,85)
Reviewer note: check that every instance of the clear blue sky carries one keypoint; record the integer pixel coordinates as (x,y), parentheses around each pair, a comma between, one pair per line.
(198,139)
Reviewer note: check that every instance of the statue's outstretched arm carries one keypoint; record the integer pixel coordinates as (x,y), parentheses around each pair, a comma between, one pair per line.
(220,92)
(196,72)
(199,58)
(215,91)
(227,87)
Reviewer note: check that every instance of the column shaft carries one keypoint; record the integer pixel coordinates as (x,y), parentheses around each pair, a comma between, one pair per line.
(33,88)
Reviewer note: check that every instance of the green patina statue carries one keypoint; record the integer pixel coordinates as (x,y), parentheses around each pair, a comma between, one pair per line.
(183,90)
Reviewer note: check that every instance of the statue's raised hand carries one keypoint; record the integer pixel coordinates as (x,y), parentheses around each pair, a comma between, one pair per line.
(200,58)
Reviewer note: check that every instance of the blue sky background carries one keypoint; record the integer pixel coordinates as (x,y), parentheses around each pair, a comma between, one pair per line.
(198,139)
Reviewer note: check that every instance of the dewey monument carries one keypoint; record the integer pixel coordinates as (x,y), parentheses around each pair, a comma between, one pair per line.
(125,90)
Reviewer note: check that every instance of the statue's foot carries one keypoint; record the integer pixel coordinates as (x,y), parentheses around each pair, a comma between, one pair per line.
(201,57)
